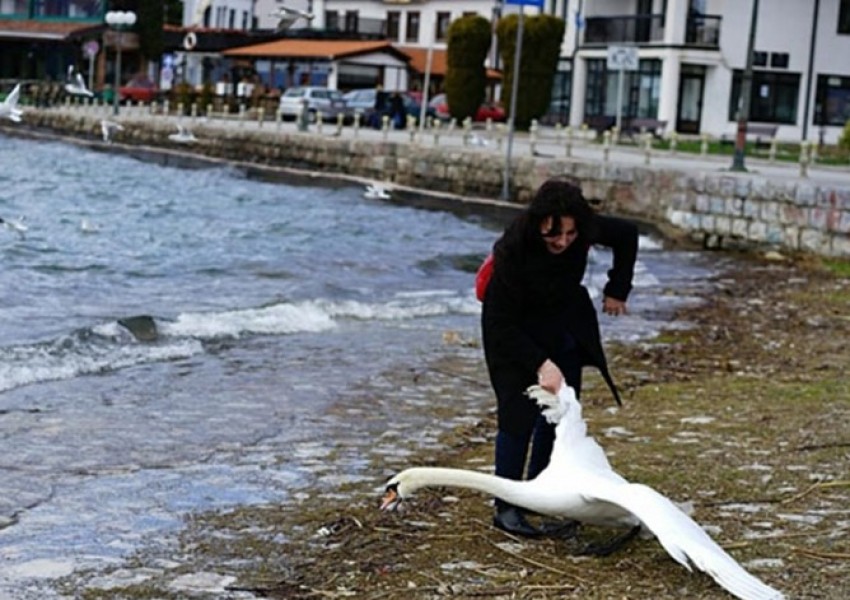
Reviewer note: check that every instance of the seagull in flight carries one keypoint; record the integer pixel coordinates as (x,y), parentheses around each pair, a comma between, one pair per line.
(183,135)
(75,85)
(287,16)
(108,129)
(9,107)
(16,226)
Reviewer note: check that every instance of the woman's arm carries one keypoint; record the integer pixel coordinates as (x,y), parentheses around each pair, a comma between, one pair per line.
(621,236)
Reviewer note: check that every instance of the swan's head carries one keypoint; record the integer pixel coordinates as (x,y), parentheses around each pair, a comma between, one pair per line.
(403,485)
(394,493)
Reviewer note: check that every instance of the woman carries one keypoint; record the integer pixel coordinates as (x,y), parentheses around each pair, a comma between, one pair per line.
(539,324)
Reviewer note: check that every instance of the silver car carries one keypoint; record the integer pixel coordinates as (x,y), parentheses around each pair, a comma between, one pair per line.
(314,100)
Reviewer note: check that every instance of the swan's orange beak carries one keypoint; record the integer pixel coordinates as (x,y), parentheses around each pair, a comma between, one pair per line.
(390,500)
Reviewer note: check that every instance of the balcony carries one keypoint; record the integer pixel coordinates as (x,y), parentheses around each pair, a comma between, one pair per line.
(700,30)
(632,29)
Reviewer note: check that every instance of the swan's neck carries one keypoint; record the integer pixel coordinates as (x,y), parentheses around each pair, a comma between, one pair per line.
(506,489)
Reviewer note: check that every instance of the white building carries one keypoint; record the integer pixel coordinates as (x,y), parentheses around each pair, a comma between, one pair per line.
(691,55)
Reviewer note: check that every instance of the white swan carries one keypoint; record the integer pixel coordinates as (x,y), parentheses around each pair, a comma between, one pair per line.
(376,192)
(183,135)
(9,107)
(580,484)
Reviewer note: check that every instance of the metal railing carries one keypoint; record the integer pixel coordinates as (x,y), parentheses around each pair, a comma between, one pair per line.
(635,29)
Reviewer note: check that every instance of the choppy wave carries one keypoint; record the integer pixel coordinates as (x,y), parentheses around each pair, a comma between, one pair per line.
(110,347)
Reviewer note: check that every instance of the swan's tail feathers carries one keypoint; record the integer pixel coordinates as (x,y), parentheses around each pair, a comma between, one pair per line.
(688,544)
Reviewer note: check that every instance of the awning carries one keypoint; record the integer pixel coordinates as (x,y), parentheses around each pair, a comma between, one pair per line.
(439,61)
(315,49)
(23,29)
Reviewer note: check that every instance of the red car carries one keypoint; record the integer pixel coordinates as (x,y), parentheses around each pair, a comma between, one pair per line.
(138,89)
(488,110)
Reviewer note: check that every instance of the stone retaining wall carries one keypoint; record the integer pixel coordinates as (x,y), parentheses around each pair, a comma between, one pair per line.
(717,208)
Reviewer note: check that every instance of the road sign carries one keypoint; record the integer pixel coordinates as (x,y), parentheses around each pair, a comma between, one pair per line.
(623,58)
(537,3)
(91,48)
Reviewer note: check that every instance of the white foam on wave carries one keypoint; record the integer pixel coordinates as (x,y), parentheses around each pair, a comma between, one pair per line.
(316,315)
(25,365)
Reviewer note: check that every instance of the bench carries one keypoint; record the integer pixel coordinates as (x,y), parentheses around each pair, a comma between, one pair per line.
(638,126)
(761,133)
(600,123)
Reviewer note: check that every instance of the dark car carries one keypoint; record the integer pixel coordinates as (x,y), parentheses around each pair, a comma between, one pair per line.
(373,104)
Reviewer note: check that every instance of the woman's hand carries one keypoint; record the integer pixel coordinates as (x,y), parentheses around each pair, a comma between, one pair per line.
(613,307)
(549,376)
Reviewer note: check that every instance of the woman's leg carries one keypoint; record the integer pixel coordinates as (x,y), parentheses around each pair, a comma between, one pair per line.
(511,452)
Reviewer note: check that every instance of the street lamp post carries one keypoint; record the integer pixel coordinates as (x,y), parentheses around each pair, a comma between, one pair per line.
(744,101)
(118,20)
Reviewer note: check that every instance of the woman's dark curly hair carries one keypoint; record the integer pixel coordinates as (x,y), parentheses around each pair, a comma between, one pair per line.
(556,198)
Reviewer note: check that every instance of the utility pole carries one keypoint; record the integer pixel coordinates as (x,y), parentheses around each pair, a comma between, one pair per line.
(746,93)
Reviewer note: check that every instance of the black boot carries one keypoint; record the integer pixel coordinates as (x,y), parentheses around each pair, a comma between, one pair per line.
(512,520)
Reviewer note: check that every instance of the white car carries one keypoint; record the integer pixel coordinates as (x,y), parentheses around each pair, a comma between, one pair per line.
(314,100)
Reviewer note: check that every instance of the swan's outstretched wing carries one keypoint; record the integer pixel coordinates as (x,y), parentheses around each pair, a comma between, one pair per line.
(685,540)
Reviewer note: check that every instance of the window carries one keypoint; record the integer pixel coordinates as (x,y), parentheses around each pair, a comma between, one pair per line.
(444,19)
(759,59)
(393,24)
(773,98)
(351,21)
(332,20)
(412,34)
(641,90)
(844,17)
(779,60)
(18,8)
(832,100)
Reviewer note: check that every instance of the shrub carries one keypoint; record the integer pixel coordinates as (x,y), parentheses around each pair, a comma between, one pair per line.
(466,77)
(541,49)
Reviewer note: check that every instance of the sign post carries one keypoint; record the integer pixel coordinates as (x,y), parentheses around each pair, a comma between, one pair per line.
(90,50)
(621,58)
(506,179)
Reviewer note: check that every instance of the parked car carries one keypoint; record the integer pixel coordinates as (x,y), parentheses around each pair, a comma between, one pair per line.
(365,102)
(138,89)
(488,110)
(317,99)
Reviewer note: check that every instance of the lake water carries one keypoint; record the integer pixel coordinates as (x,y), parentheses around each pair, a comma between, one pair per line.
(272,302)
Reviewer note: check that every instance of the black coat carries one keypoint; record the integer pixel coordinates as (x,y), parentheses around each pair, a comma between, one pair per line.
(526,317)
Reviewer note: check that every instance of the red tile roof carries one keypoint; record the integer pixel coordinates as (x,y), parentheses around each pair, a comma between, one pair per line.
(322,49)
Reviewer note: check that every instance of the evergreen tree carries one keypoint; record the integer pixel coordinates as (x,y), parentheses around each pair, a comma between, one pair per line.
(541,49)
(466,77)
